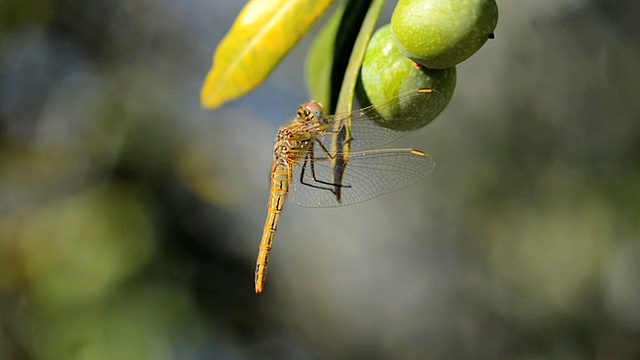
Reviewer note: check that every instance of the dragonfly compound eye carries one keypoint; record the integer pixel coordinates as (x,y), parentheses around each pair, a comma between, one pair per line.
(315,108)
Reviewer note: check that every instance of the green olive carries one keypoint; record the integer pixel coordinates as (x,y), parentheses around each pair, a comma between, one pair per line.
(442,33)
(386,73)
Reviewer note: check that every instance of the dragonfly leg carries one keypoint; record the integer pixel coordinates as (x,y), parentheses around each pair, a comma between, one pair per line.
(326,152)
(324,149)
(308,159)
(338,158)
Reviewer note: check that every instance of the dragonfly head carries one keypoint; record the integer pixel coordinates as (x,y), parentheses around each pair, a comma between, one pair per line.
(312,110)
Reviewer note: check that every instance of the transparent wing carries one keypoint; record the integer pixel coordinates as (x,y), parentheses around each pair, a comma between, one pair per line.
(368,174)
(380,124)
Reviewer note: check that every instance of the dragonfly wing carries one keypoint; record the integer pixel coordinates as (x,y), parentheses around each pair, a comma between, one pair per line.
(368,174)
(376,125)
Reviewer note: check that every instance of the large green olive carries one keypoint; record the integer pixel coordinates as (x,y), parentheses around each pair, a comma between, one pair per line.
(386,73)
(442,33)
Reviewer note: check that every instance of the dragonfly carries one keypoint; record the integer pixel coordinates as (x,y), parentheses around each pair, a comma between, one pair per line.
(326,161)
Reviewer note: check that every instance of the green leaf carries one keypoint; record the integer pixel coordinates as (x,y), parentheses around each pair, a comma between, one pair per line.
(263,33)
(329,56)
(345,99)
(320,59)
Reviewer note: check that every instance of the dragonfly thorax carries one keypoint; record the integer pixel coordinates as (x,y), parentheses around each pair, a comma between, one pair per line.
(291,142)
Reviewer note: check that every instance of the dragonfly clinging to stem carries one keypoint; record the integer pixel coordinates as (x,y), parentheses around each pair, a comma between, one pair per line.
(333,161)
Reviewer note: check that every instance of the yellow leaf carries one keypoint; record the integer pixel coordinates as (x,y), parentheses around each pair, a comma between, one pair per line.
(264,31)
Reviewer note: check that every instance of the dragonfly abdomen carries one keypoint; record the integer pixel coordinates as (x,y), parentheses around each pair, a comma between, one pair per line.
(280,180)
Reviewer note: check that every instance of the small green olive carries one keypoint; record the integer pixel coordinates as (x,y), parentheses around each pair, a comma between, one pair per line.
(386,73)
(442,33)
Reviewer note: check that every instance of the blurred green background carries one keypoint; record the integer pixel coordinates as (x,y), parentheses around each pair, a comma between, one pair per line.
(130,218)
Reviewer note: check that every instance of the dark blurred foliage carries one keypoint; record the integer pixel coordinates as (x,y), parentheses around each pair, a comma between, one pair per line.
(130,218)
